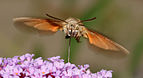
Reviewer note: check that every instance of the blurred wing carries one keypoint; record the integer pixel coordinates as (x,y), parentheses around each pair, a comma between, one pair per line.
(40,24)
(103,42)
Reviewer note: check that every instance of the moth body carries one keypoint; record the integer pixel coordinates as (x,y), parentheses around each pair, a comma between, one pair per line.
(73,28)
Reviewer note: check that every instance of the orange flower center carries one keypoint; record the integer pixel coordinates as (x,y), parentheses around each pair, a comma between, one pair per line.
(16,73)
(43,72)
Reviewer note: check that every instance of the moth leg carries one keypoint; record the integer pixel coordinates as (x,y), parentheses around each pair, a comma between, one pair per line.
(67,37)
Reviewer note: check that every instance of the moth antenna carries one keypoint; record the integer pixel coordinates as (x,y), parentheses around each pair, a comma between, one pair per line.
(88,19)
(55,18)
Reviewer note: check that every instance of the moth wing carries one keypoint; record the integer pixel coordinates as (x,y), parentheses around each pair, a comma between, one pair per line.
(40,24)
(103,42)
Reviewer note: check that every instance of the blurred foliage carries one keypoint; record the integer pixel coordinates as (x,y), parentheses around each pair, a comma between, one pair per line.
(38,50)
(96,9)
(136,56)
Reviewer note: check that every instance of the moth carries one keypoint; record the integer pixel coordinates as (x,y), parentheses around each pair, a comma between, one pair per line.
(73,28)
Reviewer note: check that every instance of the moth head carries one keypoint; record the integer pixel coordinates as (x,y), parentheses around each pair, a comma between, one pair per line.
(72,22)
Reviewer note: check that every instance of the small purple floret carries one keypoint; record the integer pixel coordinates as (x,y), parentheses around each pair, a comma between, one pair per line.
(26,67)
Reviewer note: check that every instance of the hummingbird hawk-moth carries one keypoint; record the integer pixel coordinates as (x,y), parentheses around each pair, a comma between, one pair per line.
(73,28)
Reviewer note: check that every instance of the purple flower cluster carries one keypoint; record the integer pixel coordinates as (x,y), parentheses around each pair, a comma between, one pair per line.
(26,67)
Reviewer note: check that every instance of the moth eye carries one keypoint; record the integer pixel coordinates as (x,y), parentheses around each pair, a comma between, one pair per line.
(72,25)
